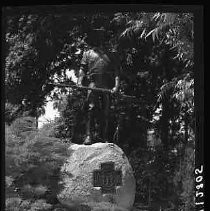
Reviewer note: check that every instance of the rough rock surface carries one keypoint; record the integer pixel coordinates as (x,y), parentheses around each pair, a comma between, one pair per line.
(78,191)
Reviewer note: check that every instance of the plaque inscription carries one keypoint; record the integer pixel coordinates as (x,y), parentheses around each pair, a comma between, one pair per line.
(107,178)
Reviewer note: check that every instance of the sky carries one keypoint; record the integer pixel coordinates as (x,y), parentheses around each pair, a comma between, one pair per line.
(50,112)
(49,115)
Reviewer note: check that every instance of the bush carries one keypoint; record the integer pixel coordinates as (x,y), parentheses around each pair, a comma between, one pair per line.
(24,127)
(17,204)
(154,173)
(11,112)
(32,169)
(48,129)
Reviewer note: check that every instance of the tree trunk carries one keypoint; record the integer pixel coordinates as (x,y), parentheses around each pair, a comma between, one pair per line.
(165,125)
(165,103)
(186,127)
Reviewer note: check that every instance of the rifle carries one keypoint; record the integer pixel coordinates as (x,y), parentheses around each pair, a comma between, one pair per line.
(95,89)
(108,91)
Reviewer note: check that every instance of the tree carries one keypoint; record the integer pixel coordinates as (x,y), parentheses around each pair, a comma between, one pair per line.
(33,42)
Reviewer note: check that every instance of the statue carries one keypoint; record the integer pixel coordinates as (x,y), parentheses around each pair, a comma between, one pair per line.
(101,67)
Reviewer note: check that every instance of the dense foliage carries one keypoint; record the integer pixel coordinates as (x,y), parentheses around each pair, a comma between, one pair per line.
(33,162)
(156,51)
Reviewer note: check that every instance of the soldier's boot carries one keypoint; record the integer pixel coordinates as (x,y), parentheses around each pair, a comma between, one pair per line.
(105,138)
(106,118)
(105,131)
(88,139)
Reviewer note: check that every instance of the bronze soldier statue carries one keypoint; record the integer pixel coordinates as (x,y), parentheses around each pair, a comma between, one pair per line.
(101,67)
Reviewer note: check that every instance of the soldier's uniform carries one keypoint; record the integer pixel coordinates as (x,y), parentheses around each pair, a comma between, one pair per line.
(101,67)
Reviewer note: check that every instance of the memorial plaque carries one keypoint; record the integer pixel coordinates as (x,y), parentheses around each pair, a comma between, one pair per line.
(107,178)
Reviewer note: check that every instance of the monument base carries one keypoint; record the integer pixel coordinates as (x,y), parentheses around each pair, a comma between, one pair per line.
(97,177)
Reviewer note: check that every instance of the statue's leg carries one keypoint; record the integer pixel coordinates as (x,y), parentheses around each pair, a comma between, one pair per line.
(89,124)
(105,119)
(73,134)
(101,117)
(90,117)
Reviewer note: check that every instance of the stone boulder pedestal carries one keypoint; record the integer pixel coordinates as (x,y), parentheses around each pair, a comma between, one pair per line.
(97,177)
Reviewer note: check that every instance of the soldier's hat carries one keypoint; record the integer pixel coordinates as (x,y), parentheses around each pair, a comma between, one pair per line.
(101,29)
(99,32)
(96,35)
